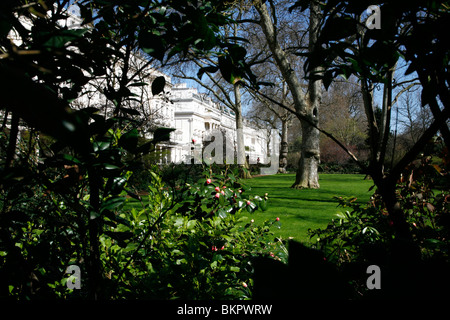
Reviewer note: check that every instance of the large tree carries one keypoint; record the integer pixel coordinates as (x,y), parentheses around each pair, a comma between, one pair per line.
(306,104)
(411,34)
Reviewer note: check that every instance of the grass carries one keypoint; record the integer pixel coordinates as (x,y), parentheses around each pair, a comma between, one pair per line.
(300,210)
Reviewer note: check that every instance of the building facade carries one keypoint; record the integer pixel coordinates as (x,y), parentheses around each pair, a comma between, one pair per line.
(198,121)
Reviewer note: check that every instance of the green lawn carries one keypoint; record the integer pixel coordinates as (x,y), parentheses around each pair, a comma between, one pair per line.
(300,210)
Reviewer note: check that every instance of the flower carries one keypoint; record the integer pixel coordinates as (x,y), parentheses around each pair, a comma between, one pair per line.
(244,285)
(253,220)
(224,187)
(248,202)
(222,192)
(217,189)
(217,195)
(208,181)
(278,219)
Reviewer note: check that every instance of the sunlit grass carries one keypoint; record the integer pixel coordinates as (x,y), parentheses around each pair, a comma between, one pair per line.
(300,210)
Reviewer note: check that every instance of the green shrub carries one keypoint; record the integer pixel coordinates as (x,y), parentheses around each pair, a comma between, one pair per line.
(199,248)
(363,235)
(177,241)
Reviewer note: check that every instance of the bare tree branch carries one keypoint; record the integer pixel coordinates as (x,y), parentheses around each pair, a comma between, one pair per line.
(306,119)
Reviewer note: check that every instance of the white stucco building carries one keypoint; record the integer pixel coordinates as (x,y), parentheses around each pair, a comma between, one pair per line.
(196,118)
(194,115)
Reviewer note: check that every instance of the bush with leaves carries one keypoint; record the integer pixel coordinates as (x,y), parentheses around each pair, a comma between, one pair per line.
(199,248)
(151,247)
(62,203)
(364,235)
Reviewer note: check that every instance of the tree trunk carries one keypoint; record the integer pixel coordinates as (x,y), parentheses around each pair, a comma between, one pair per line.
(241,158)
(284,146)
(307,173)
(305,104)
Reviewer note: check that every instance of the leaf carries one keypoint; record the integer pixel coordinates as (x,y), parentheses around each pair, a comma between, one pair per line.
(109,166)
(208,69)
(338,28)
(221,213)
(263,205)
(71,158)
(117,184)
(138,84)
(251,207)
(112,203)
(64,36)
(222,200)
(101,145)
(94,215)
(237,53)
(131,246)
(158,85)
(152,44)
(129,140)
(341,215)
(228,71)
(162,134)
(191,224)
(120,236)
(179,222)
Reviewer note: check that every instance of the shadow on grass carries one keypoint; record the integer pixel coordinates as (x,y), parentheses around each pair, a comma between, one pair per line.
(331,200)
